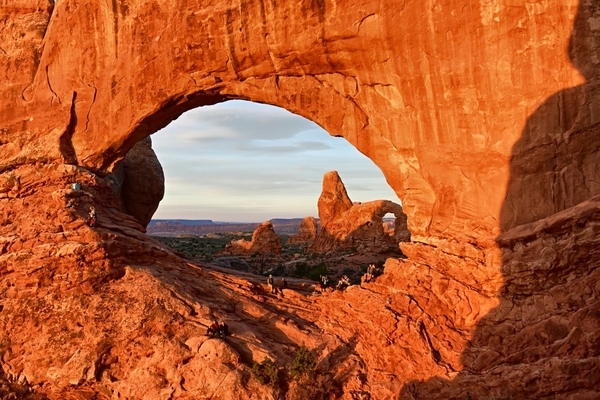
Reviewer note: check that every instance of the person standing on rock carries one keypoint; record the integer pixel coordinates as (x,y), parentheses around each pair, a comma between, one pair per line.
(223,330)
(271,283)
(343,283)
(324,281)
(283,283)
(213,329)
(370,275)
(92,220)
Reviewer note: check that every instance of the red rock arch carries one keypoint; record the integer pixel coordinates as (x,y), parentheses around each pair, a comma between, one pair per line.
(443,96)
(107,74)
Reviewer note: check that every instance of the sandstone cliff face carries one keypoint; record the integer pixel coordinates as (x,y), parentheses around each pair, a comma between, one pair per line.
(482,115)
(264,241)
(346,225)
(442,130)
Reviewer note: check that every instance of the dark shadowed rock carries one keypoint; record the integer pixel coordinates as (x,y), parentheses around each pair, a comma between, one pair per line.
(231,263)
(143,181)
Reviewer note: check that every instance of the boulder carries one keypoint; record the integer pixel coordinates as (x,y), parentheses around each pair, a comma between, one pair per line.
(143,182)
(139,182)
(264,241)
(307,233)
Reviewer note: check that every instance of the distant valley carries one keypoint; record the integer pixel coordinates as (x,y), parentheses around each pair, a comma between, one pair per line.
(174,227)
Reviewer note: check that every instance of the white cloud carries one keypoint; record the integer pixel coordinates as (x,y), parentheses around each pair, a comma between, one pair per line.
(240,161)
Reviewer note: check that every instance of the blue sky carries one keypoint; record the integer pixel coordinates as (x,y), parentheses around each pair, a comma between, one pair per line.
(248,162)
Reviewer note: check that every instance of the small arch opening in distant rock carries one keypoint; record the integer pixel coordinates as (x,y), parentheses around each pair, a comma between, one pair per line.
(389,223)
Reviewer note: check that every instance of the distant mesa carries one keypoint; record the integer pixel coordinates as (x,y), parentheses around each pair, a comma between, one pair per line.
(187,222)
(345,224)
(175,227)
(264,241)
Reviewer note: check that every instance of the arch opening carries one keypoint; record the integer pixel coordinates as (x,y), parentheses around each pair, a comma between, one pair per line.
(230,166)
(259,161)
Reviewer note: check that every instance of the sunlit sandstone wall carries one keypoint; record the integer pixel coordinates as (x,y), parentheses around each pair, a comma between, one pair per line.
(436,93)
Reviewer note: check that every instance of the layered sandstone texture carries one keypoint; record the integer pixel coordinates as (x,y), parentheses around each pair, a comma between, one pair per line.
(345,224)
(452,101)
(483,116)
(264,241)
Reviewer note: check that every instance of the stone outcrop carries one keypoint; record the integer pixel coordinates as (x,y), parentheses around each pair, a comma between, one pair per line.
(483,117)
(143,181)
(139,182)
(264,241)
(432,139)
(355,225)
(334,200)
(307,233)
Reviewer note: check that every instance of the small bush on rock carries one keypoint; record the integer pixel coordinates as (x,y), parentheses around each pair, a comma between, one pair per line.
(304,363)
(266,372)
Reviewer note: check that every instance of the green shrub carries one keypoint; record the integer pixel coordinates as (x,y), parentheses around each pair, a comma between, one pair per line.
(284,238)
(312,273)
(304,363)
(266,372)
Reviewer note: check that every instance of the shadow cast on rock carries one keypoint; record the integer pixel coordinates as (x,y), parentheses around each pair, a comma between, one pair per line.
(543,339)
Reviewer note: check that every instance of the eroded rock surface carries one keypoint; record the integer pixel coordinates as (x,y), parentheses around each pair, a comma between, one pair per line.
(334,200)
(347,225)
(264,241)
(444,136)
(482,115)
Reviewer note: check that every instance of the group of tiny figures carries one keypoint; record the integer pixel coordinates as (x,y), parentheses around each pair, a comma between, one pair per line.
(372,273)
(342,284)
(219,329)
(274,289)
